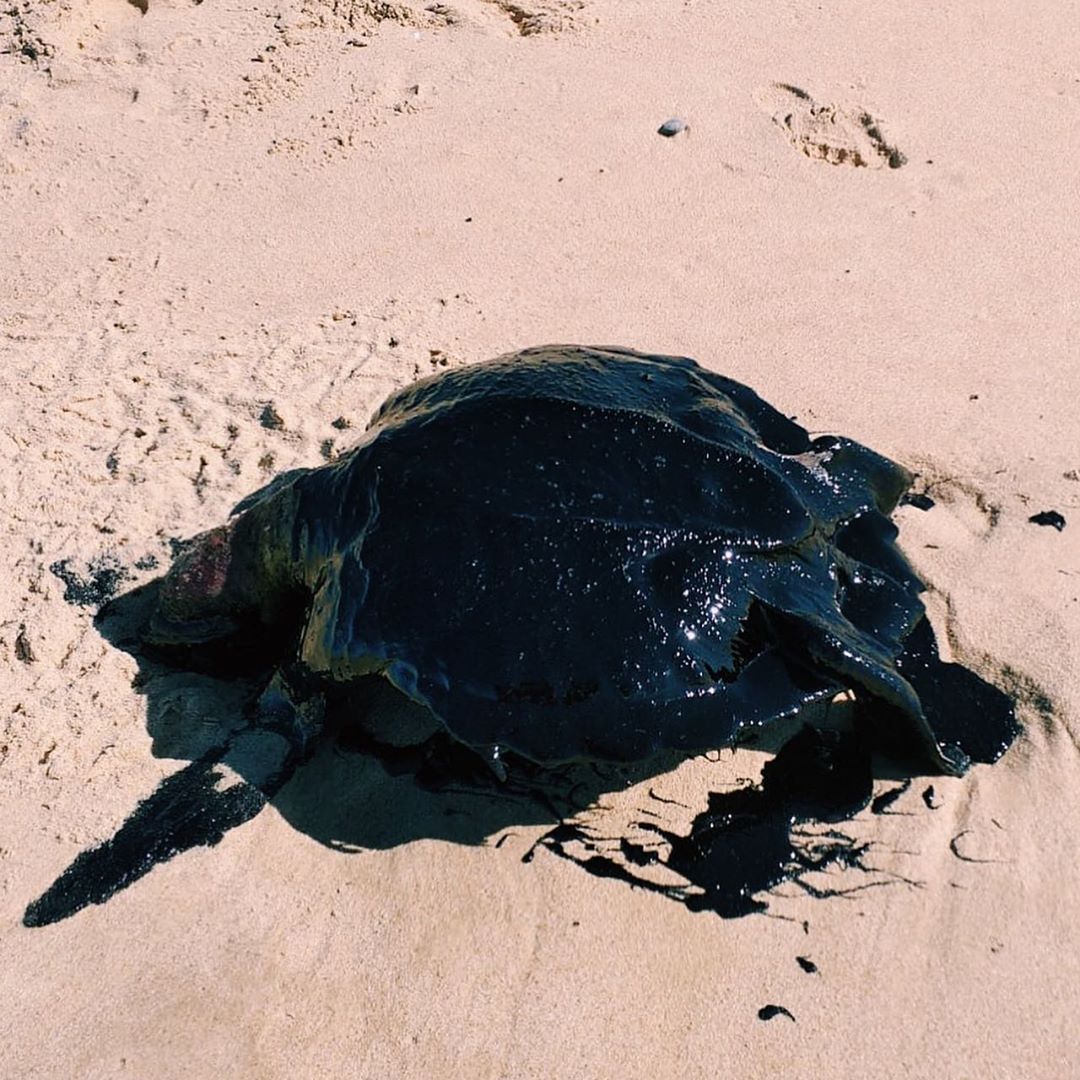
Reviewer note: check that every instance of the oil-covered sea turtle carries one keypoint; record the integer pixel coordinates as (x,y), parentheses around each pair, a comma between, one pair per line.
(574,553)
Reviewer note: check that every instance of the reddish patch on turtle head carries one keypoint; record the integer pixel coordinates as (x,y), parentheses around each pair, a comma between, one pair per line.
(195,585)
(205,567)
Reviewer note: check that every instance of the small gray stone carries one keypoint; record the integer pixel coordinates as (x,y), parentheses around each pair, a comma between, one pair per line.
(672,127)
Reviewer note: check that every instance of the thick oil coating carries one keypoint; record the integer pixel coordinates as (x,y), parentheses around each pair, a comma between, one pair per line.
(590,553)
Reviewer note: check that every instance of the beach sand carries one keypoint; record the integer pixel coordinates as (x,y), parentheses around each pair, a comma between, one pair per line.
(226,226)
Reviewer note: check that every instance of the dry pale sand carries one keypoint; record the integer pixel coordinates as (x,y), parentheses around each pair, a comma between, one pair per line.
(209,207)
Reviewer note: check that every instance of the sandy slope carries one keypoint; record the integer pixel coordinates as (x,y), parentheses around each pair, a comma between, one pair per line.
(212,208)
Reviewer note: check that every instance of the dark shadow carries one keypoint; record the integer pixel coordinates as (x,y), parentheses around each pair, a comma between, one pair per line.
(748,840)
(353,793)
(378,787)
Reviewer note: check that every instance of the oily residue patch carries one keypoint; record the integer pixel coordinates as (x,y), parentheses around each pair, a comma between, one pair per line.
(102,580)
(1052,518)
(770,1012)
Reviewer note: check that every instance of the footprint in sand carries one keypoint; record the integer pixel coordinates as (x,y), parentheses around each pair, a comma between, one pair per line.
(971,513)
(540,16)
(831,133)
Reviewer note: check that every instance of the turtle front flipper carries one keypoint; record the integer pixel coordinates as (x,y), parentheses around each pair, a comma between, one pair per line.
(289,716)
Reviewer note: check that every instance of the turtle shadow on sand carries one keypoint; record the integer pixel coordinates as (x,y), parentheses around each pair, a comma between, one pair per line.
(356,793)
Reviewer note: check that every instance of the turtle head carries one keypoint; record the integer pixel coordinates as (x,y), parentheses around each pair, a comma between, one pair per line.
(206,596)
(235,596)
(227,593)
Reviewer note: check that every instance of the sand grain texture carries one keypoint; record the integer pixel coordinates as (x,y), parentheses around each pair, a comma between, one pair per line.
(227,226)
